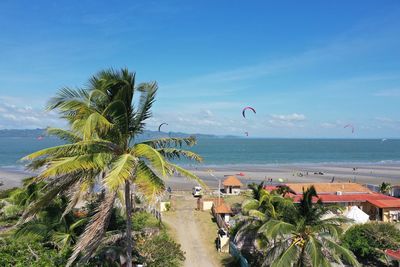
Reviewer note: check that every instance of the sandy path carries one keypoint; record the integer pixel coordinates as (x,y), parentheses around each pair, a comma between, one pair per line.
(183,223)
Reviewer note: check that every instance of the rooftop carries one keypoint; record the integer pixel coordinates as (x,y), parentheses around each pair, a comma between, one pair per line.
(330,188)
(223,208)
(232,181)
(385,203)
(395,254)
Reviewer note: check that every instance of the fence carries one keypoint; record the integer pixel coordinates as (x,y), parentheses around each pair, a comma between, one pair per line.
(233,250)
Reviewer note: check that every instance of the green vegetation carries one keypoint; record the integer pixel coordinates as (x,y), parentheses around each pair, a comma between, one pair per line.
(385,188)
(100,150)
(286,234)
(369,241)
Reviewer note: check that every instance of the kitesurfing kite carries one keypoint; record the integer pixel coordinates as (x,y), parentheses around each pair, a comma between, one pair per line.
(246,133)
(246,108)
(350,126)
(159,127)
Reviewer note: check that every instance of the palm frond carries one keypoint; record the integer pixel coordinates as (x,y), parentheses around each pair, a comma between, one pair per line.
(314,249)
(94,231)
(147,181)
(273,228)
(64,135)
(168,142)
(346,254)
(288,256)
(156,160)
(121,170)
(174,153)
(143,112)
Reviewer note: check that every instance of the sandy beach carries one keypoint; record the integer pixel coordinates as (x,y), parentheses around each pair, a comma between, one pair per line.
(363,173)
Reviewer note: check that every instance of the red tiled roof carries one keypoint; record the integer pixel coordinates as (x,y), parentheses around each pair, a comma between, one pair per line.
(232,181)
(223,208)
(395,254)
(385,203)
(348,198)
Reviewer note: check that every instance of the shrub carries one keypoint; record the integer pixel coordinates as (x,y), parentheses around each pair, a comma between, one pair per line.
(33,253)
(142,220)
(159,250)
(369,241)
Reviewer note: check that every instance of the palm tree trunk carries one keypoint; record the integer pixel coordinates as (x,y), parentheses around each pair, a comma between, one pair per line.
(128,207)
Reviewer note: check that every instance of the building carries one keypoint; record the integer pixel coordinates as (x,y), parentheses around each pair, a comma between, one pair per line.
(378,206)
(232,185)
(224,211)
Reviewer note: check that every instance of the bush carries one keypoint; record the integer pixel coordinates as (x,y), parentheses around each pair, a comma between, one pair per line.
(159,250)
(17,253)
(142,220)
(369,241)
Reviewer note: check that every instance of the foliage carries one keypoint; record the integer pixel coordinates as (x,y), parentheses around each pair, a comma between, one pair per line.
(159,250)
(33,253)
(143,219)
(369,241)
(293,235)
(385,188)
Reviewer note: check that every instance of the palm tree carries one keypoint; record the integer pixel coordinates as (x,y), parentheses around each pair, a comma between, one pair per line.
(385,188)
(103,149)
(306,239)
(256,189)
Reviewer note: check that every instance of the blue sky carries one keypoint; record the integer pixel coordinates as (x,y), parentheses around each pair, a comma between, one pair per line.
(308,69)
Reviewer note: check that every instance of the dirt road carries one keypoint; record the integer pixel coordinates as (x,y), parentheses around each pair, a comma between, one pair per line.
(183,223)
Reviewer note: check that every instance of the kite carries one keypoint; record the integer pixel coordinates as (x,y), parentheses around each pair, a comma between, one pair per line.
(246,133)
(159,127)
(246,108)
(350,126)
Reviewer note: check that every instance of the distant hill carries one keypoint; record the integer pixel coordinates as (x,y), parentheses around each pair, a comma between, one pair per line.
(145,135)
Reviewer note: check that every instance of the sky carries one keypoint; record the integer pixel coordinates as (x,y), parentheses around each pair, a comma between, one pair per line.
(308,67)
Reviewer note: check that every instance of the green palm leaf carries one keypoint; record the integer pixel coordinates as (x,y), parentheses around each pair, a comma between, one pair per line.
(121,170)
(152,155)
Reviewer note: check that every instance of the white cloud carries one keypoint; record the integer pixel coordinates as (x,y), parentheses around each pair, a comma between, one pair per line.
(15,117)
(388,93)
(294,117)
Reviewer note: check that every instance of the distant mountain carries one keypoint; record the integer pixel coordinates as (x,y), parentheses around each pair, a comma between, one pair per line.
(145,135)
(22,133)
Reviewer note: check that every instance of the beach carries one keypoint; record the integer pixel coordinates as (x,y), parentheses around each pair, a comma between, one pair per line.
(362,173)
(294,173)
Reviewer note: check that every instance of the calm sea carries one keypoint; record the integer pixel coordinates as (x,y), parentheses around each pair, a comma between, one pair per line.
(224,151)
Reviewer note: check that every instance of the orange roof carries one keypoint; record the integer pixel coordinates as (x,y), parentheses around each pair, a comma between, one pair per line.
(232,181)
(223,208)
(385,203)
(330,188)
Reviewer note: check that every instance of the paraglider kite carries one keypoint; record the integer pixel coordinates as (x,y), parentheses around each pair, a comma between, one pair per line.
(246,108)
(350,126)
(159,127)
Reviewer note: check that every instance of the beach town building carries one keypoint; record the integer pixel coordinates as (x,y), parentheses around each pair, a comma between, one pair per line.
(232,185)
(378,206)
(224,210)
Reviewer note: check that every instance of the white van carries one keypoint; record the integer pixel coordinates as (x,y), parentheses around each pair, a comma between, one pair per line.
(197,191)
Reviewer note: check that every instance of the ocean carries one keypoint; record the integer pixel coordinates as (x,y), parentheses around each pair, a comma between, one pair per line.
(237,151)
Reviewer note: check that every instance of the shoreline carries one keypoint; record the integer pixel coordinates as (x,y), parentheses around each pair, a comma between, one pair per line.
(365,173)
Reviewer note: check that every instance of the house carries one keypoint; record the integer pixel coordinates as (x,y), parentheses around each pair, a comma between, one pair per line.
(208,203)
(232,185)
(378,206)
(224,211)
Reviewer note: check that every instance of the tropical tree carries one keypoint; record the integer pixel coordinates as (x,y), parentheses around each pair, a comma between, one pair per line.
(256,190)
(385,188)
(103,149)
(307,239)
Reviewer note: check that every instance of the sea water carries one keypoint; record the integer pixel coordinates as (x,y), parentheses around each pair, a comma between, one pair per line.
(226,151)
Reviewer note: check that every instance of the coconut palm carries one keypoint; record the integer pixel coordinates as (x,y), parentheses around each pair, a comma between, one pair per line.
(385,188)
(103,148)
(306,239)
